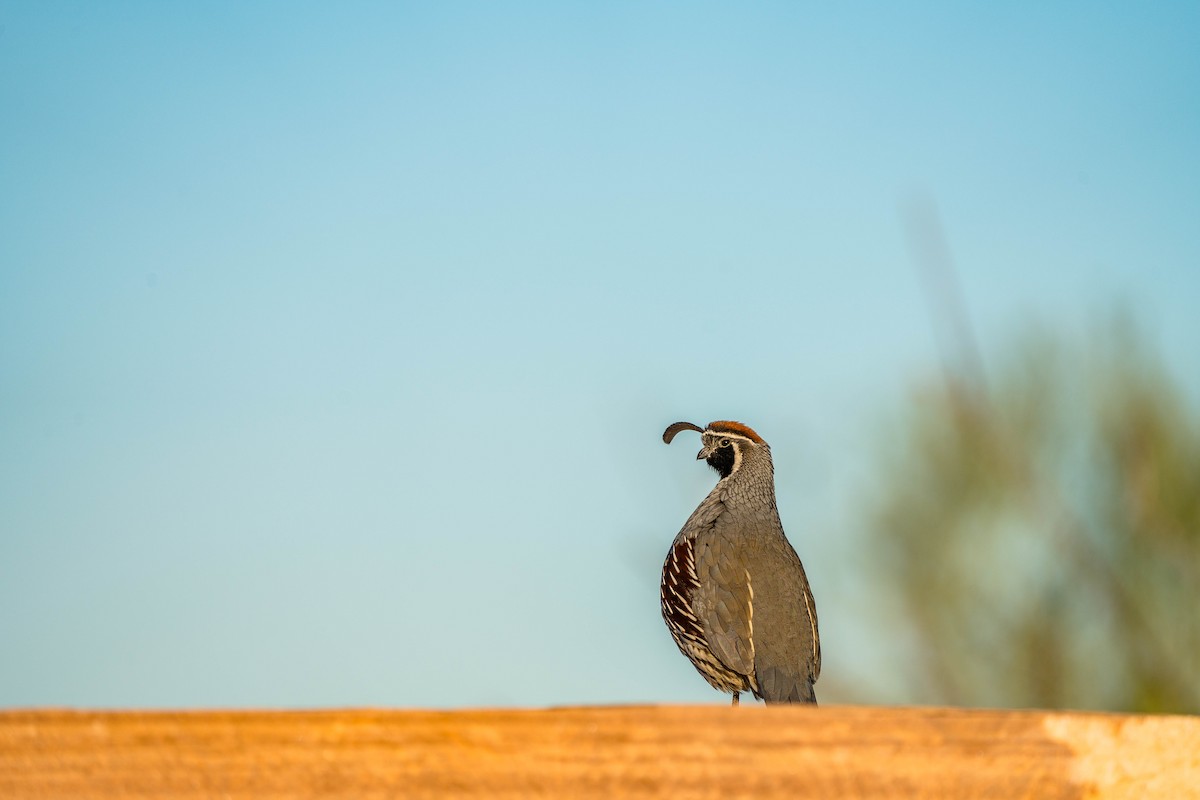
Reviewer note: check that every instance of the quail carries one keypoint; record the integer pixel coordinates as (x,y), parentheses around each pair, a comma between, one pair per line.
(734,594)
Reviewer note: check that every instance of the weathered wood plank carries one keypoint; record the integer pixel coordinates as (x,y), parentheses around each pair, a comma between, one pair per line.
(631,752)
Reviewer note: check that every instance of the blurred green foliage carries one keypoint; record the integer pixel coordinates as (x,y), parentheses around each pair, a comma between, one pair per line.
(1037,532)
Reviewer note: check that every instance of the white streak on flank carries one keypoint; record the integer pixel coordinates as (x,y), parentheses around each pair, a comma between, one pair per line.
(812,622)
(750,613)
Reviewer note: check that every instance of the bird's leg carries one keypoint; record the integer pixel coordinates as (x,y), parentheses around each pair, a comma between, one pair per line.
(735,698)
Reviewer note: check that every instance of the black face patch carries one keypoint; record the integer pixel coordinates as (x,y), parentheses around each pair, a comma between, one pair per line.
(722,459)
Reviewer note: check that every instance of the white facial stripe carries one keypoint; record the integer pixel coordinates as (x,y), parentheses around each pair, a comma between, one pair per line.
(725,435)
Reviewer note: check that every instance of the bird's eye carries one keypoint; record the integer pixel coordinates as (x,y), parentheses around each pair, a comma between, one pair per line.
(724,443)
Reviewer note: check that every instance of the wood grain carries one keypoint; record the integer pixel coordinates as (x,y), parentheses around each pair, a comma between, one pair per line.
(631,752)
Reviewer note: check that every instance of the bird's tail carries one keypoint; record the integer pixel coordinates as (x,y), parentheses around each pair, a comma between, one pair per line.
(776,685)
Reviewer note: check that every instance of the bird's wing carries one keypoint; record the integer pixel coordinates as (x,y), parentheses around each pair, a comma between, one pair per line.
(788,664)
(725,602)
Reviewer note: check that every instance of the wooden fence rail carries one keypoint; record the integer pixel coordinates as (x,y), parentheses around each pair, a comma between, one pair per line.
(610,752)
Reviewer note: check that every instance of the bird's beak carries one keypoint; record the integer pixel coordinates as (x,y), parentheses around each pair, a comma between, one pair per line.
(704,453)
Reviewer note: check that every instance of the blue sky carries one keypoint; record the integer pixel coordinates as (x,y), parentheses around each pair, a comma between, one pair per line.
(336,342)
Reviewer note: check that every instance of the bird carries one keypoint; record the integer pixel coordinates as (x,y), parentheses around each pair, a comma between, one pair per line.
(734,594)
